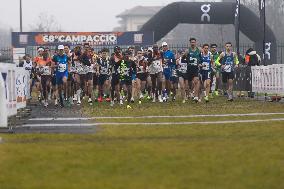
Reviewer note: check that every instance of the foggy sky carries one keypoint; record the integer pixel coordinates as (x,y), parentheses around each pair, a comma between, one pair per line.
(72,15)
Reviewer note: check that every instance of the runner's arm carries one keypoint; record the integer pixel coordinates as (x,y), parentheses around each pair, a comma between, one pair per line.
(236,59)
(217,62)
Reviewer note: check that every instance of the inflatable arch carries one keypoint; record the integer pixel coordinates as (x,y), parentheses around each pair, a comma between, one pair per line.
(213,13)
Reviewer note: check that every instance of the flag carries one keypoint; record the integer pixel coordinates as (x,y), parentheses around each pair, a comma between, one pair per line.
(237,26)
(263,26)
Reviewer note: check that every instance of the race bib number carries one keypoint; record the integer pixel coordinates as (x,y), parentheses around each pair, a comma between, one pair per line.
(193,60)
(62,67)
(104,70)
(183,67)
(46,70)
(205,66)
(157,64)
(228,68)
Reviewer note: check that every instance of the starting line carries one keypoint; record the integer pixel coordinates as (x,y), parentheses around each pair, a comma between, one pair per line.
(150,117)
(152,123)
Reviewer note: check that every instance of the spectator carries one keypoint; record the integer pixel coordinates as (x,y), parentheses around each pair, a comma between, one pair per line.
(252,58)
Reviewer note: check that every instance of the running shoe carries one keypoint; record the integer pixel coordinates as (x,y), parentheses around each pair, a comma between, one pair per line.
(79,101)
(39,98)
(112,103)
(141,96)
(195,99)
(56,102)
(216,93)
(128,107)
(75,97)
(45,103)
(230,99)
(206,98)
(160,99)
(100,99)
(90,101)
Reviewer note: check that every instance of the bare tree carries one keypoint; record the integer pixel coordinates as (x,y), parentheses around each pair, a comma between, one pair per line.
(46,23)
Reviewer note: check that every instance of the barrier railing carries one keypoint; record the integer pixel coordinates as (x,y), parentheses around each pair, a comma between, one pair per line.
(14,91)
(268,79)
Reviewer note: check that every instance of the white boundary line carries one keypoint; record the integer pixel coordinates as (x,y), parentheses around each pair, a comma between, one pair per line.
(152,123)
(59,125)
(195,123)
(149,117)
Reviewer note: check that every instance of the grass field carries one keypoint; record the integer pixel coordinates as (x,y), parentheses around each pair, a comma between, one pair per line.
(216,156)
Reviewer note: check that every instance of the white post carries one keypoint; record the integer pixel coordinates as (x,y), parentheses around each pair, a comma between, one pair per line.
(3,104)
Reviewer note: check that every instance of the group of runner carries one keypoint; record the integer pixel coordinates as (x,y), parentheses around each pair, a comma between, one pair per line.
(155,73)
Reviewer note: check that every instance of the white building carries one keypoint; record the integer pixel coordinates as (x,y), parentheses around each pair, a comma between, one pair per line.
(133,19)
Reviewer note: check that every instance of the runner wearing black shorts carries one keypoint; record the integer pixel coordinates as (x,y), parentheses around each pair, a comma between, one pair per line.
(183,75)
(114,65)
(126,67)
(194,58)
(141,65)
(103,74)
(229,63)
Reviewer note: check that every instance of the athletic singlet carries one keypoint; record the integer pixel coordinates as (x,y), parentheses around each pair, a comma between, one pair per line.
(169,59)
(182,65)
(206,61)
(28,66)
(141,65)
(61,62)
(104,66)
(194,57)
(42,65)
(228,61)
(115,62)
(126,70)
(155,64)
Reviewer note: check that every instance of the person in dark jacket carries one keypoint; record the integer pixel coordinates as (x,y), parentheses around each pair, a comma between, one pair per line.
(252,58)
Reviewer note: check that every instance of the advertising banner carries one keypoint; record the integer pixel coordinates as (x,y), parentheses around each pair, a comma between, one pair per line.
(24,39)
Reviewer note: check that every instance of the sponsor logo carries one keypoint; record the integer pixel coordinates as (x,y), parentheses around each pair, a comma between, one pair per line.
(23,39)
(98,39)
(267,50)
(205,10)
(261,4)
(138,38)
(237,8)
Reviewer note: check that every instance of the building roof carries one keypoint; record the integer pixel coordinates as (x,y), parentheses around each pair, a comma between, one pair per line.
(140,11)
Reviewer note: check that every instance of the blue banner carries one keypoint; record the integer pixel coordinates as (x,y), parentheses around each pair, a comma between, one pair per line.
(24,39)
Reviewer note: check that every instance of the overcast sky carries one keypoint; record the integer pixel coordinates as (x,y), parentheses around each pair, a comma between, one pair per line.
(72,15)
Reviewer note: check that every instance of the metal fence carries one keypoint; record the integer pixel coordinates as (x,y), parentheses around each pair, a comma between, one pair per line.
(6,54)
